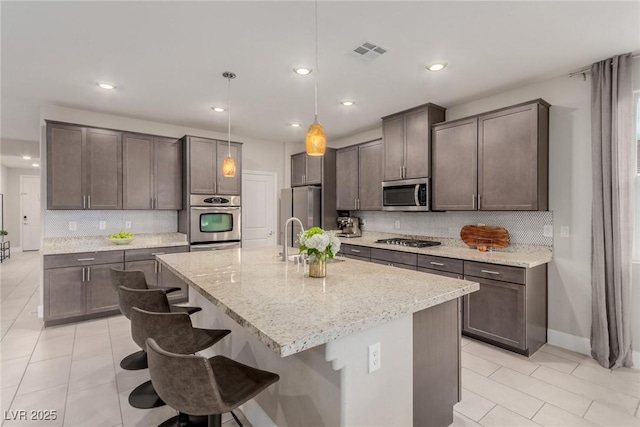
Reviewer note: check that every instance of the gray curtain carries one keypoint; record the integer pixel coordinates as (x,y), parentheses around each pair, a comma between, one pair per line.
(612,141)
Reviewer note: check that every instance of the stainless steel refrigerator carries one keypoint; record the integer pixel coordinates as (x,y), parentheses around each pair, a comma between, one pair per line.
(303,203)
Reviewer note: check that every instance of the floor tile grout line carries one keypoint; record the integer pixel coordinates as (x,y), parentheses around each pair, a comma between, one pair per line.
(589,407)
(115,371)
(605,386)
(66,398)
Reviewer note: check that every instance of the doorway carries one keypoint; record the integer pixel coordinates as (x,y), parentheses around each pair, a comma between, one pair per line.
(259,206)
(30,212)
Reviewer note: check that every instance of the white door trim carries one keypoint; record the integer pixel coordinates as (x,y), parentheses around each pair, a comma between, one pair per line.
(22,177)
(275,226)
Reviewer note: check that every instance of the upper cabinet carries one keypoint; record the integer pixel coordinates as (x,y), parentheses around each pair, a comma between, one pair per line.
(493,161)
(205,166)
(152,172)
(84,167)
(306,170)
(406,142)
(359,177)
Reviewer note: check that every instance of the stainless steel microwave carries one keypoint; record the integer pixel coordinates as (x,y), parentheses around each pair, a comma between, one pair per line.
(407,195)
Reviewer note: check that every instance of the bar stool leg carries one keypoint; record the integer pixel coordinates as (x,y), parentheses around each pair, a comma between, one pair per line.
(135,361)
(215,420)
(145,397)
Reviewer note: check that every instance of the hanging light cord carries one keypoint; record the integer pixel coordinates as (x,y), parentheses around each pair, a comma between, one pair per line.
(316,73)
(229,114)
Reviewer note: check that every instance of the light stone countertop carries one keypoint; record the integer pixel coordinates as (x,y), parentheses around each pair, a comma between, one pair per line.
(67,245)
(291,312)
(515,255)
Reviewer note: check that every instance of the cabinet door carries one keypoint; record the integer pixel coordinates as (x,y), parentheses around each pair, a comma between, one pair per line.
(230,186)
(101,297)
(63,293)
(149,267)
(347,178)
(496,312)
(65,169)
(313,174)
(137,166)
(393,141)
(167,278)
(103,162)
(417,159)
(454,176)
(202,156)
(167,170)
(370,177)
(507,159)
(298,169)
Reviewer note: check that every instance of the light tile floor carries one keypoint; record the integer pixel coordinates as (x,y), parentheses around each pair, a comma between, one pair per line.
(74,369)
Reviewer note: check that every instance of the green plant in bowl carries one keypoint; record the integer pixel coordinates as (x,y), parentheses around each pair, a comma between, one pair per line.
(122,238)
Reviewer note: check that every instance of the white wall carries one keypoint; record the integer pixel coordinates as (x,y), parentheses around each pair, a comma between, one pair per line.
(11,191)
(4,177)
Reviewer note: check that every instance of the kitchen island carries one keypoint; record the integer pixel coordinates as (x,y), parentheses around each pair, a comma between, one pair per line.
(316,334)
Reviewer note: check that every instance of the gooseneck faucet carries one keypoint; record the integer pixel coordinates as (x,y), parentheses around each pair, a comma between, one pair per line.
(285,248)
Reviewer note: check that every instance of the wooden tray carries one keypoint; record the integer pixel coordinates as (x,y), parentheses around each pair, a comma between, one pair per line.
(490,237)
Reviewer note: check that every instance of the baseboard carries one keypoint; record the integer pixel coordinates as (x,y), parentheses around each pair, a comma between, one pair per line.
(579,344)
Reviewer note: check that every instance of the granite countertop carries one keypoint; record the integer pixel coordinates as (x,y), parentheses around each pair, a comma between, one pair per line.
(67,245)
(515,255)
(291,312)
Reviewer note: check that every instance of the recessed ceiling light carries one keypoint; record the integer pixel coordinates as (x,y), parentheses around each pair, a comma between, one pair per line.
(26,157)
(105,85)
(295,125)
(35,165)
(303,71)
(348,103)
(218,109)
(437,66)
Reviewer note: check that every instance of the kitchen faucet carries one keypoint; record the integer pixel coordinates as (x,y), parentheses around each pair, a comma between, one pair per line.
(285,248)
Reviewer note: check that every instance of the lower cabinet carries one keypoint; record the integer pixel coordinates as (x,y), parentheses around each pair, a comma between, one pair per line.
(355,252)
(406,260)
(100,295)
(145,260)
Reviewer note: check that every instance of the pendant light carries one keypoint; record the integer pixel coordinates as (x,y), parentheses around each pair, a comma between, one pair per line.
(229,166)
(316,142)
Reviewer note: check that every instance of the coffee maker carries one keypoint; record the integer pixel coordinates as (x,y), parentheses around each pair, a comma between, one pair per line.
(349,226)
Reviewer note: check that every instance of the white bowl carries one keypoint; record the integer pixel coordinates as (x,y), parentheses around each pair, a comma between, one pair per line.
(122,241)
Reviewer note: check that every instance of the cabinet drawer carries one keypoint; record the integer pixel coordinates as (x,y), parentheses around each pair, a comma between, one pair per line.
(394,257)
(394,264)
(83,258)
(440,273)
(359,251)
(359,258)
(495,272)
(440,263)
(150,253)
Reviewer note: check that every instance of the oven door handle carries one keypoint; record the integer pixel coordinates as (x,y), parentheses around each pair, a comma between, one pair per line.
(214,246)
(216,208)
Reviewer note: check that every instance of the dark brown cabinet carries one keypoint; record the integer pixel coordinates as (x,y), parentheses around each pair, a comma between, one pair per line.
(152,172)
(205,166)
(359,177)
(406,260)
(406,142)
(306,170)
(362,253)
(63,293)
(84,167)
(493,161)
(101,297)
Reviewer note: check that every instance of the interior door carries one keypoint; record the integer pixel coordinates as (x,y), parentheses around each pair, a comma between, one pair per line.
(30,212)
(259,209)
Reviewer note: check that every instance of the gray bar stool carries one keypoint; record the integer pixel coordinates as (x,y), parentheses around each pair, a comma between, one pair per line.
(154,300)
(134,279)
(196,385)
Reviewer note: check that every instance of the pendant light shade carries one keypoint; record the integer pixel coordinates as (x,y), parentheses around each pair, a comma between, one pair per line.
(229,165)
(316,141)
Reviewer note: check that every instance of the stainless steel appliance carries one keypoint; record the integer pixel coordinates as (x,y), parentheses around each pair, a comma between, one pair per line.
(215,222)
(413,243)
(349,226)
(407,195)
(304,204)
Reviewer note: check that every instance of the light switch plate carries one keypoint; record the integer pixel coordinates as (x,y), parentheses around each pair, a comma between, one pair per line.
(73,226)
(548,231)
(564,231)
(102,225)
(127,224)
(397,224)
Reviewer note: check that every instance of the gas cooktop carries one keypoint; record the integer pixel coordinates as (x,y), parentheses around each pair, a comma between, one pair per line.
(412,243)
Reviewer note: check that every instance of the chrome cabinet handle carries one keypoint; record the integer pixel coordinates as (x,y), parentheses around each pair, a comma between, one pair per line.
(158,253)
(84,201)
(491,272)
(86,259)
(436,263)
(89,201)
(473,201)
(355,251)
(88,274)
(479,199)
(83,275)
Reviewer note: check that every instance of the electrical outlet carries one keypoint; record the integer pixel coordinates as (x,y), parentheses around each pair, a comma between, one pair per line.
(481,225)
(548,231)
(363,222)
(102,225)
(127,224)
(397,224)
(374,357)
(564,231)
(73,226)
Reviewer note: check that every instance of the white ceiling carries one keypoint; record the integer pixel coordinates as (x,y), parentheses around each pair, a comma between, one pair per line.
(167,58)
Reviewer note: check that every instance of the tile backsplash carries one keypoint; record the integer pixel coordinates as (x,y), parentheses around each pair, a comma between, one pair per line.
(87,222)
(525,228)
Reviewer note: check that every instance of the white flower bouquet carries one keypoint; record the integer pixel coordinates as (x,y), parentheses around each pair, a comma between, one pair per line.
(319,244)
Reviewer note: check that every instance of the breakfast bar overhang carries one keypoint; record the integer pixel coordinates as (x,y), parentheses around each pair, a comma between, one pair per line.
(316,333)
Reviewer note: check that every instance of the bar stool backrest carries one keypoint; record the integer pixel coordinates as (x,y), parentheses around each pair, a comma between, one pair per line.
(154,300)
(184,382)
(133,279)
(172,331)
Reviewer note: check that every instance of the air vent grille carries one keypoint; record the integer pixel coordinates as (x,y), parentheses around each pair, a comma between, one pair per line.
(368,51)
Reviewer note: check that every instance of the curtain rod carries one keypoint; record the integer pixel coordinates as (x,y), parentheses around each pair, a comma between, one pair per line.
(586,71)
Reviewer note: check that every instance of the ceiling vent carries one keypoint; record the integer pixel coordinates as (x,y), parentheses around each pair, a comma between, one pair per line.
(368,51)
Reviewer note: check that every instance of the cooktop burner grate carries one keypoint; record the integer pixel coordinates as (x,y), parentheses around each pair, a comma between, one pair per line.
(412,243)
